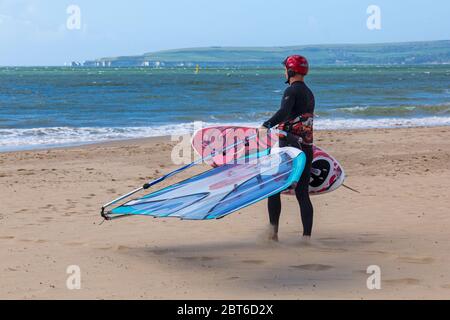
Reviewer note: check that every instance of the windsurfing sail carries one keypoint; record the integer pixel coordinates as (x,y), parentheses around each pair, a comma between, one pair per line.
(222,190)
(206,140)
(327,174)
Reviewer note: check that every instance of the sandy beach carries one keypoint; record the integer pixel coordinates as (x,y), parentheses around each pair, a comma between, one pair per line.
(400,221)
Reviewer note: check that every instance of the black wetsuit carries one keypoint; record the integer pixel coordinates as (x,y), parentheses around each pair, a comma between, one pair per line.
(297,100)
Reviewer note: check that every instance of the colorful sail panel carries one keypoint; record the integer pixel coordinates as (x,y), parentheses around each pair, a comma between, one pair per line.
(326,173)
(222,190)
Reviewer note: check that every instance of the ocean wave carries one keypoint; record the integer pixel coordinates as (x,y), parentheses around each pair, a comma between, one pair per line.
(24,139)
(393,111)
(348,124)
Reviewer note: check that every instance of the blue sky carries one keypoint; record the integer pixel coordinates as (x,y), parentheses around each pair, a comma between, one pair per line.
(34,32)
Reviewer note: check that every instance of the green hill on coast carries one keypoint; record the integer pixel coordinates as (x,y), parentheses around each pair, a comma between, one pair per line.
(429,52)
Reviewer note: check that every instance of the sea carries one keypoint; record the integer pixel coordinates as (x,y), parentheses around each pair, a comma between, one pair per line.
(46,107)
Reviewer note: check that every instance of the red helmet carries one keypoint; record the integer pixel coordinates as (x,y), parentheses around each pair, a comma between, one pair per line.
(297,64)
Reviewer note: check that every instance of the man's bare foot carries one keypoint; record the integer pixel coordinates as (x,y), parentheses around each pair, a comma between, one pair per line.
(274,237)
(306,240)
(269,234)
(273,233)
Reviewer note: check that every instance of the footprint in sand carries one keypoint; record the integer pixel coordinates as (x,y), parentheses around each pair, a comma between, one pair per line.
(49,206)
(104,248)
(45,219)
(313,267)
(7,237)
(197,258)
(404,281)
(121,248)
(369,234)
(380,252)
(418,260)
(328,239)
(253,261)
(70,206)
(160,252)
(446,286)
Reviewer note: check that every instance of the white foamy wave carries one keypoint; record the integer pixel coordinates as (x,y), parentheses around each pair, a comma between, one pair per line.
(343,124)
(22,139)
(360,123)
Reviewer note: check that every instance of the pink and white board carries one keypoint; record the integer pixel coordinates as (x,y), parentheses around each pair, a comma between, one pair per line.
(326,173)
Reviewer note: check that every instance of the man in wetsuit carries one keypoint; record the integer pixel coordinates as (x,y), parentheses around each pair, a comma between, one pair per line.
(295,117)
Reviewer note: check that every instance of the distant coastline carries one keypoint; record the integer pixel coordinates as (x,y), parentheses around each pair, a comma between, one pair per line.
(402,53)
